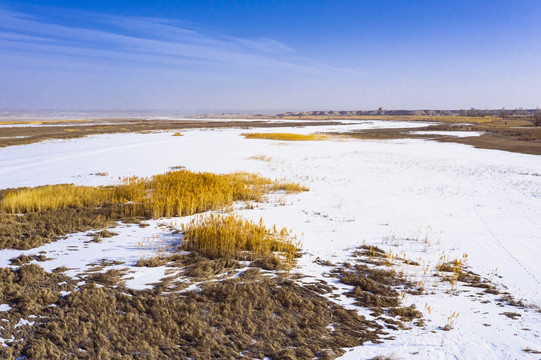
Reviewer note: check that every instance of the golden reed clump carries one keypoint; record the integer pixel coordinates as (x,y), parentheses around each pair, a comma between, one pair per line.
(175,193)
(54,197)
(219,236)
(285,136)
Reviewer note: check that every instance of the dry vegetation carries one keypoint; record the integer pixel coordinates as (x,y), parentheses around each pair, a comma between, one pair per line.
(286,136)
(52,197)
(175,193)
(218,243)
(252,315)
(230,236)
(181,193)
(524,139)
(261,158)
(73,129)
(25,259)
(49,212)
(379,289)
(248,312)
(34,229)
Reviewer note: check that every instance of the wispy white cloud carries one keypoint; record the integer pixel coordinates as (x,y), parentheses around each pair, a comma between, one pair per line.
(144,43)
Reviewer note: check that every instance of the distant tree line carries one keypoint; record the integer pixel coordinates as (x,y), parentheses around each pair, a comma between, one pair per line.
(503,112)
(536,117)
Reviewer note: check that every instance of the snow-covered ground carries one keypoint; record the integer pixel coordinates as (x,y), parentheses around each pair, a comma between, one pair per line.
(419,199)
(448,133)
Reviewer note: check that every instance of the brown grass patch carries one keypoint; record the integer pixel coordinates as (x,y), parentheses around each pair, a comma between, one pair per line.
(29,290)
(111,277)
(25,259)
(525,139)
(377,288)
(50,212)
(252,315)
(511,315)
(28,135)
(99,235)
(455,270)
(261,158)
(34,229)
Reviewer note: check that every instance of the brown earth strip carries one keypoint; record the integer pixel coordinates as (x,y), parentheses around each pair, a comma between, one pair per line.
(514,134)
(21,135)
(526,140)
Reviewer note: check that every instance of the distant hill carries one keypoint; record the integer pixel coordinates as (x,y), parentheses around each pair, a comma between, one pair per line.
(380,112)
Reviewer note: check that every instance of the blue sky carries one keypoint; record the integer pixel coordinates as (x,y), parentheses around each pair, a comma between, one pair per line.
(265,55)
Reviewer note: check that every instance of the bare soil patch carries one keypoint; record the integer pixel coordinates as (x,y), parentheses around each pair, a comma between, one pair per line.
(526,140)
(32,134)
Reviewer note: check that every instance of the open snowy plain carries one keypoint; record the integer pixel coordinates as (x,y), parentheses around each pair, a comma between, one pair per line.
(421,200)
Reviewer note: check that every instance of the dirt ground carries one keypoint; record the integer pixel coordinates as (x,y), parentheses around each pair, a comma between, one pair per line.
(50,130)
(514,134)
(526,140)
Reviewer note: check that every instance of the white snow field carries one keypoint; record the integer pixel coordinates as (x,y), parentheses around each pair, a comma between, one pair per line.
(421,199)
(448,133)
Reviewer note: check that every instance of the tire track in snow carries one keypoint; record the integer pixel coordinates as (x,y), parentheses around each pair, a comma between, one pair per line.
(499,242)
(514,202)
(95,151)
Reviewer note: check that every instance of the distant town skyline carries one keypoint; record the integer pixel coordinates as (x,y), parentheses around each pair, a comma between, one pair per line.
(296,55)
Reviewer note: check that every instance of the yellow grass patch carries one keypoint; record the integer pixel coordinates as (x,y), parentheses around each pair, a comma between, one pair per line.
(44,122)
(54,197)
(20,122)
(180,193)
(217,236)
(285,136)
(178,134)
(175,193)
(261,157)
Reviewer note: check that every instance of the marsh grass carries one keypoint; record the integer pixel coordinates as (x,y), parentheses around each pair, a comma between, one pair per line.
(99,235)
(379,289)
(175,193)
(37,228)
(181,193)
(285,136)
(456,271)
(252,316)
(25,259)
(230,236)
(261,158)
(51,197)
(30,217)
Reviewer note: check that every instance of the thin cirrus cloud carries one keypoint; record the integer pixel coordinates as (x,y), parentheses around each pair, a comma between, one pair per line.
(141,43)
